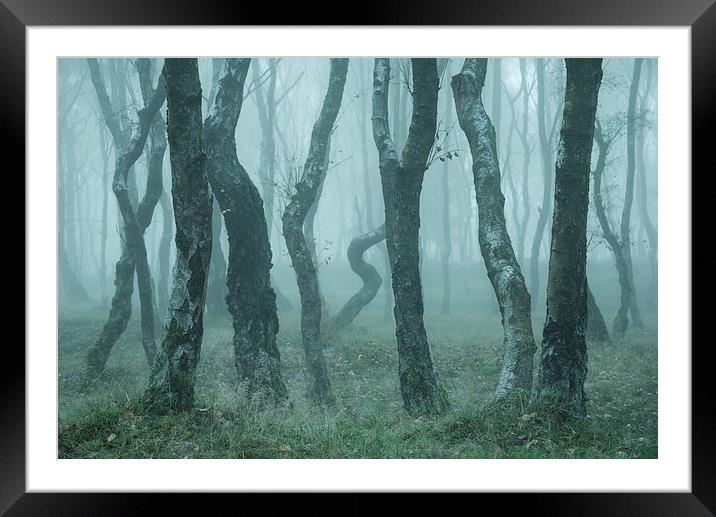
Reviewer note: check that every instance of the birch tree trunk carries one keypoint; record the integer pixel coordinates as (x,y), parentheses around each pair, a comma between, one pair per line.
(171,384)
(251,300)
(294,217)
(402,182)
(503,269)
(563,363)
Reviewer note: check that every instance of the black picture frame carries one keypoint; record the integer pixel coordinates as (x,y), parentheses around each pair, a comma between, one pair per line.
(16,15)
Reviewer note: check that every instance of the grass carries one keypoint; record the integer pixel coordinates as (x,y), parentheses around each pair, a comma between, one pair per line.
(368,420)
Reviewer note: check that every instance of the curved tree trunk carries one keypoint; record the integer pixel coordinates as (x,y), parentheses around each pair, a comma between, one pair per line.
(402,182)
(596,326)
(294,217)
(499,256)
(563,363)
(367,273)
(309,229)
(251,300)
(171,383)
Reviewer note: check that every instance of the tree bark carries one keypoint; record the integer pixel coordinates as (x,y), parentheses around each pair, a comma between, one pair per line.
(367,273)
(402,181)
(294,217)
(171,384)
(503,269)
(563,364)
(251,300)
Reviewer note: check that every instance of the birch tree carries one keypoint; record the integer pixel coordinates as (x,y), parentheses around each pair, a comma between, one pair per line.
(503,269)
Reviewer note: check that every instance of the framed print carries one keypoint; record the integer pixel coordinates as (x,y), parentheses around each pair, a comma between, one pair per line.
(384,256)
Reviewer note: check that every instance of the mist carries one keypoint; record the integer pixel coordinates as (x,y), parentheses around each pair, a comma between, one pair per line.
(282,98)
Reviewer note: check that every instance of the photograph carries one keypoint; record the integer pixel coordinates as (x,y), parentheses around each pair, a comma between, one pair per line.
(357,258)
(421,251)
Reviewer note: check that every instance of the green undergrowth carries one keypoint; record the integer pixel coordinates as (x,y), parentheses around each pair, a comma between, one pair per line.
(368,420)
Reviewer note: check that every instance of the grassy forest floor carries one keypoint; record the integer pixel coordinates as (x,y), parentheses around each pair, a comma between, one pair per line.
(368,420)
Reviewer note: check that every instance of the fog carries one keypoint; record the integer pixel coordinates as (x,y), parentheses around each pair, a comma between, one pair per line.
(490,344)
(351,201)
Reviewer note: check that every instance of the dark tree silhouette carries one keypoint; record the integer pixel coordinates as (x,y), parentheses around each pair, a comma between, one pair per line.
(135,221)
(563,363)
(367,273)
(251,300)
(171,383)
(294,217)
(402,181)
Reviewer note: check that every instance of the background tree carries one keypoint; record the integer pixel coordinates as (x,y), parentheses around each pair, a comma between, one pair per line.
(402,181)
(128,148)
(171,384)
(368,274)
(70,284)
(251,300)
(642,190)
(625,224)
(621,320)
(563,363)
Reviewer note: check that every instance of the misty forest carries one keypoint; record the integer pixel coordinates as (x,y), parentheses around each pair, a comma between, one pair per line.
(357,258)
